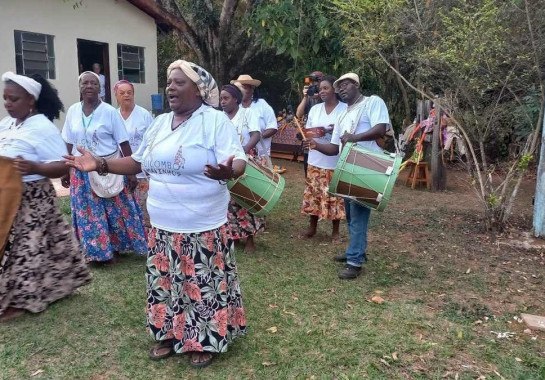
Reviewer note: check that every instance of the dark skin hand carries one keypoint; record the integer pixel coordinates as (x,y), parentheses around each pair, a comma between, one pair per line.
(254,139)
(225,170)
(49,170)
(331,149)
(125,150)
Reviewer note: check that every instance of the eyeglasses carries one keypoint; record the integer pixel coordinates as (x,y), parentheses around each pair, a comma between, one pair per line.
(344,84)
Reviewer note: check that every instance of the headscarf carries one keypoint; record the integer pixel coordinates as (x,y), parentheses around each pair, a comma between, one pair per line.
(88,72)
(203,79)
(30,85)
(122,81)
(234,91)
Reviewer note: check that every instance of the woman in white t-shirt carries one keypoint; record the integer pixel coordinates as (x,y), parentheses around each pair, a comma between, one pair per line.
(137,120)
(244,225)
(194,302)
(42,261)
(317,202)
(267,119)
(105,214)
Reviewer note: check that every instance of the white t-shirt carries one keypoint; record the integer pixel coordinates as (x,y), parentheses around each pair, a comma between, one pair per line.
(245,121)
(267,120)
(181,198)
(318,117)
(102,82)
(35,139)
(371,111)
(136,124)
(101,132)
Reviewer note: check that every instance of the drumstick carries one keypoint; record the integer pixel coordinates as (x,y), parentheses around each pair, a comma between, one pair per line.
(300,129)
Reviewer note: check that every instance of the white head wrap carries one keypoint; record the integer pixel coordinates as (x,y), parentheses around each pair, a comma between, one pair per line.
(30,85)
(88,72)
(203,79)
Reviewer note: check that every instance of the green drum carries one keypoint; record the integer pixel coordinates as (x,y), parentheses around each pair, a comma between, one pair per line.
(258,189)
(365,176)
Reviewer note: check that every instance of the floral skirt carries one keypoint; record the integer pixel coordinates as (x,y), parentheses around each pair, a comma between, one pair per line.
(243,223)
(193,290)
(43,261)
(105,225)
(141,195)
(316,199)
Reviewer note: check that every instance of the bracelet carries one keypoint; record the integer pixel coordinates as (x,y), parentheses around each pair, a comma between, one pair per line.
(102,168)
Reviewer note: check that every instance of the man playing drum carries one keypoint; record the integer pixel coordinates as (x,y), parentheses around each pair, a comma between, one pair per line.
(365,120)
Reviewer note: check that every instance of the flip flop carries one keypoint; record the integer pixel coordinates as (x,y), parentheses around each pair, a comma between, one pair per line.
(154,353)
(198,364)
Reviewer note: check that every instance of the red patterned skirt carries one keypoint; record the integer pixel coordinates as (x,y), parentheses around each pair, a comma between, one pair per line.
(316,199)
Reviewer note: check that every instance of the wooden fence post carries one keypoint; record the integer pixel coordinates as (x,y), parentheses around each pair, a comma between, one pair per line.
(438,172)
(539,196)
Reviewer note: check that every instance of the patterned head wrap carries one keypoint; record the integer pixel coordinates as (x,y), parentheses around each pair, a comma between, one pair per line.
(205,83)
(122,81)
(30,85)
(234,91)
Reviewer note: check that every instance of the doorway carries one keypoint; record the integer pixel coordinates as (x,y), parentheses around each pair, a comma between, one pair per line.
(91,52)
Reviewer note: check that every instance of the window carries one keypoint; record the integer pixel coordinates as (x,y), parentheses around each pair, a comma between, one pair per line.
(34,54)
(130,62)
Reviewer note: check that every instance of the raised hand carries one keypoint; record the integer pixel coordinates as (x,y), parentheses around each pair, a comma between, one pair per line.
(85,163)
(223,171)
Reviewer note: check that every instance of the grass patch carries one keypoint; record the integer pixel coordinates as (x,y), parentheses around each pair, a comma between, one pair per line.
(419,251)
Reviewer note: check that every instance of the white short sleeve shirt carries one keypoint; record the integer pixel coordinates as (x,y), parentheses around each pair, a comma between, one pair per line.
(267,120)
(180,197)
(35,139)
(318,117)
(136,125)
(364,116)
(246,121)
(101,132)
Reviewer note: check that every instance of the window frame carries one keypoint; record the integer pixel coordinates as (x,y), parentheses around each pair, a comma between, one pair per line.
(126,51)
(29,43)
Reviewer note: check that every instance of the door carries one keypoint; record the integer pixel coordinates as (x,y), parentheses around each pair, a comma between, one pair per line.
(90,53)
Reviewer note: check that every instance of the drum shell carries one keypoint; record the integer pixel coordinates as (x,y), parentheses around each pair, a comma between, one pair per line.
(365,176)
(258,190)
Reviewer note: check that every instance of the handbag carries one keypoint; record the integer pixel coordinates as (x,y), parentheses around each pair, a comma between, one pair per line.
(109,185)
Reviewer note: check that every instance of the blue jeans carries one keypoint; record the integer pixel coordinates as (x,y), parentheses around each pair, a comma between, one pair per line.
(357,217)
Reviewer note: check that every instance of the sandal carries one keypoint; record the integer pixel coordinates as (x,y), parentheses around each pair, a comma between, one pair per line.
(196,363)
(162,350)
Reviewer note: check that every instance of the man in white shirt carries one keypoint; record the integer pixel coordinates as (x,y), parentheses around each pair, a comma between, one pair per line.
(102,81)
(365,120)
(267,117)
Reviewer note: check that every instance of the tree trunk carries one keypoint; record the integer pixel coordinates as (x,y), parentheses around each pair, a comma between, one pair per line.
(438,172)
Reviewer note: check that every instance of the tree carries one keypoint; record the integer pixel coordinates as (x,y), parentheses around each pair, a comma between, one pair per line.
(216,32)
(482,57)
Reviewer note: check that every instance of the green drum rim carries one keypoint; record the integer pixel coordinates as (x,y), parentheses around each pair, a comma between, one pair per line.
(271,202)
(388,188)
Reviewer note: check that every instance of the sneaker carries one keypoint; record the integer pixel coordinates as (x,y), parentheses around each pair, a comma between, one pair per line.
(349,272)
(340,258)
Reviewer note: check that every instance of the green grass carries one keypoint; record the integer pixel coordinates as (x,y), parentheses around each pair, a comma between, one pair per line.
(326,328)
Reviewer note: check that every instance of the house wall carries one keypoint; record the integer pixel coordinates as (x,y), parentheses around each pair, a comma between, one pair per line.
(107,21)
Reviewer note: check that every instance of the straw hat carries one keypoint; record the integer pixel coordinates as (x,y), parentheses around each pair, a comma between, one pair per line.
(246,79)
(352,76)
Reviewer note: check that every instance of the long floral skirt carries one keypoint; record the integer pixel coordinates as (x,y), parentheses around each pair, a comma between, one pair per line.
(43,261)
(243,223)
(193,290)
(316,199)
(105,225)
(141,196)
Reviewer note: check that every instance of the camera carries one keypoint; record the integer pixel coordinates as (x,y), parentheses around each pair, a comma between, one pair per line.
(313,88)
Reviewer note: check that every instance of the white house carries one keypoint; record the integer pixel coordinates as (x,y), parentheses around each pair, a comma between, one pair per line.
(58,39)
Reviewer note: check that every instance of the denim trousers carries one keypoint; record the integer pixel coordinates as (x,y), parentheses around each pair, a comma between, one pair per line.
(357,217)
